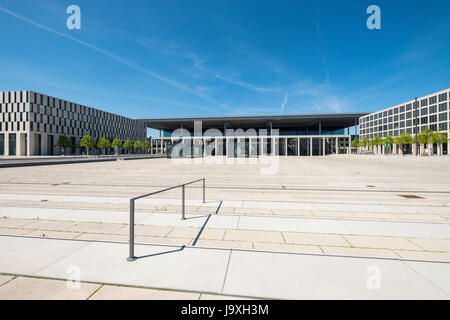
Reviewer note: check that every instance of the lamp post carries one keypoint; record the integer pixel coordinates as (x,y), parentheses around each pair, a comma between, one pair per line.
(416,126)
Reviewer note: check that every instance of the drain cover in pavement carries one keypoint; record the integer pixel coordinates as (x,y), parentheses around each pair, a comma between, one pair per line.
(410,196)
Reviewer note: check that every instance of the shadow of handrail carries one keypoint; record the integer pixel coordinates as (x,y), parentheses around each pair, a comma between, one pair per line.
(161,253)
(201,230)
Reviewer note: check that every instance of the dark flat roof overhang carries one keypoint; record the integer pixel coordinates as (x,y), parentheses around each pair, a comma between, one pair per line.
(338,120)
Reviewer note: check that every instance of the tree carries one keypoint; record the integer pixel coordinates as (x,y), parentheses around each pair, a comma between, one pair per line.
(425,137)
(355,143)
(63,142)
(138,145)
(404,139)
(128,145)
(388,140)
(439,138)
(364,142)
(87,142)
(104,144)
(377,141)
(116,144)
(147,146)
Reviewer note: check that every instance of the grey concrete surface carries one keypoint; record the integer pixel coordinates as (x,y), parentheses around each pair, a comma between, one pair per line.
(242,273)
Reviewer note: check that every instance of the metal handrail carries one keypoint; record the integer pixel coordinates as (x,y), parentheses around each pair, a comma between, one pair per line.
(132,201)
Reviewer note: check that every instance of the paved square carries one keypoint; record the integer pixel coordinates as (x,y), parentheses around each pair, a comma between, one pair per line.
(310,231)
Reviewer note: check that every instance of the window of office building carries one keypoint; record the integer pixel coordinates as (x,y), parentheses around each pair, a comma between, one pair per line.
(424,120)
(396,110)
(443,97)
(433,118)
(443,107)
(443,116)
(12,144)
(442,127)
(408,115)
(2,144)
(433,109)
(396,118)
(408,123)
(402,109)
(433,127)
(433,100)
(424,111)
(402,116)
(424,103)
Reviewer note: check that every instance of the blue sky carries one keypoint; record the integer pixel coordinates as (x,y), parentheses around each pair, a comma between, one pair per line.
(146,58)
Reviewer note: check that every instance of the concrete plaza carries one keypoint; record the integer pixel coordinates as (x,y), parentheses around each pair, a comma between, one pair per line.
(314,230)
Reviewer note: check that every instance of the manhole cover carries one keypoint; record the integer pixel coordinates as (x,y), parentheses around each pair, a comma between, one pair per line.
(410,196)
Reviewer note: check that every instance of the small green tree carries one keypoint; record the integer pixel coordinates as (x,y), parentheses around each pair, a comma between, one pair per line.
(138,145)
(147,146)
(355,143)
(364,142)
(128,145)
(425,137)
(388,140)
(87,142)
(377,141)
(104,144)
(439,138)
(116,144)
(63,142)
(404,139)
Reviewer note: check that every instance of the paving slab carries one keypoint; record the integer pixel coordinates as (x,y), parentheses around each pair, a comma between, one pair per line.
(315,239)
(436,273)
(359,252)
(291,248)
(50,225)
(28,255)
(146,230)
(254,236)
(53,234)
(127,293)
(432,244)
(95,227)
(13,231)
(14,223)
(5,278)
(289,276)
(162,267)
(424,255)
(23,288)
(381,242)
(30,213)
(224,244)
(181,232)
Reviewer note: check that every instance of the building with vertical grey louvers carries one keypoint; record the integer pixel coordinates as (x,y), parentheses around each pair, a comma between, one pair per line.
(31,123)
(432,111)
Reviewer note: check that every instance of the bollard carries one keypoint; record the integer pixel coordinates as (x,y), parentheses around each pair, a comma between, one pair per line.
(131,257)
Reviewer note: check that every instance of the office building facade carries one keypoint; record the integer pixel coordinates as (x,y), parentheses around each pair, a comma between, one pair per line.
(31,123)
(431,111)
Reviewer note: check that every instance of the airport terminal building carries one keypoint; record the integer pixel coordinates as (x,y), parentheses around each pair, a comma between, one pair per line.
(31,123)
(250,136)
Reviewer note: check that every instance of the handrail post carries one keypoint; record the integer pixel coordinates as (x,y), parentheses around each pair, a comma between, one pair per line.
(132,256)
(183,204)
(204,198)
